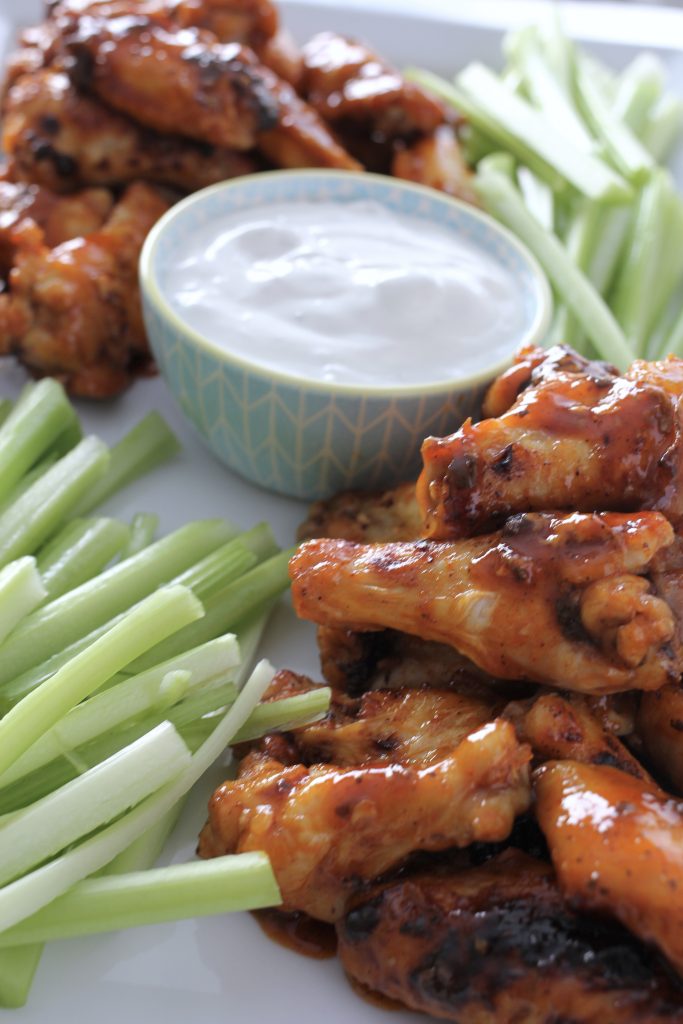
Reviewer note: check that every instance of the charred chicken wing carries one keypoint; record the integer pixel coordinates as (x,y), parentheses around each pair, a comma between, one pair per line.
(74,311)
(563,600)
(498,944)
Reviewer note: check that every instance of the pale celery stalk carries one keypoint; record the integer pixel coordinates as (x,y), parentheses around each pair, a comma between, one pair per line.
(155,618)
(286,713)
(674,342)
(18,965)
(6,406)
(130,697)
(21,590)
(42,509)
(147,848)
(28,894)
(148,444)
(41,413)
(81,550)
(639,87)
(503,200)
(143,529)
(243,881)
(100,795)
(586,172)
(75,615)
(538,197)
(624,150)
(663,128)
(224,609)
(28,480)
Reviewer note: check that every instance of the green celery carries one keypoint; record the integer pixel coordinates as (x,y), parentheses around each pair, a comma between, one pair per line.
(155,618)
(18,965)
(6,406)
(143,529)
(28,894)
(224,609)
(98,796)
(78,552)
(663,128)
(639,87)
(21,590)
(41,413)
(42,509)
(243,881)
(501,198)
(286,713)
(28,479)
(148,444)
(69,618)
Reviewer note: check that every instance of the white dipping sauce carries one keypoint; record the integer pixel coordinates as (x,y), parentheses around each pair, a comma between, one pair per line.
(347,292)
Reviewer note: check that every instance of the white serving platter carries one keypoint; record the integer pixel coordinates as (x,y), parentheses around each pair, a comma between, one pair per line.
(225,969)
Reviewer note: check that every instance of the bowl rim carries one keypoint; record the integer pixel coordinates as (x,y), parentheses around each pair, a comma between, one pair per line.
(153,292)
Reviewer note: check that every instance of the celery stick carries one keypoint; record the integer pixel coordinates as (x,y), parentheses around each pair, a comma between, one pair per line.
(623,148)
(636,300)
(608,246)
(548,93)
(28,894)
(148,444)
(585,172)
(559,47)
(42,412)
(135,695)
(674,342)
(18,965)
(224,609)
(147,848)
(42,509)
(80,551)
(28,480)
(639,88)
(142,531)
(286,713)
(538,197)
(21,590)
(6,406)
(155,618)
(502,200)
(99,796)
(51,629)
(67,439)
(242,881)
(208,576)
(663,128)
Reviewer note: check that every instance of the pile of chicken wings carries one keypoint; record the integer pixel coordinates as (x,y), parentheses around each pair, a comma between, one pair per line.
(113,109)
(488,816)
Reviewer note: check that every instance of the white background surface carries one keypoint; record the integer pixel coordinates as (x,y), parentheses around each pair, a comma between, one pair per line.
(224,969)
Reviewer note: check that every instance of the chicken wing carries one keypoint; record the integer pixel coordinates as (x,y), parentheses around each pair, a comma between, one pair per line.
(498,944)
(329,830)
(660,727)
(59,137)
(59,217)
(361,516)
(437,161)
(74,311)
(172,81)
(345,80)
(585,441)
(562,600)
(617,845)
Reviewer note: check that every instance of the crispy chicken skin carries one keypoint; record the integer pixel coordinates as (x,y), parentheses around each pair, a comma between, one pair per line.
(617,845)
(58,217)
(344,80)
(329,829)
(585,441)
(561,600)
(172,80)
(74,311)
(564,726)
(498,944)
(61,138)
(660,727)
(436,161)
(367,517)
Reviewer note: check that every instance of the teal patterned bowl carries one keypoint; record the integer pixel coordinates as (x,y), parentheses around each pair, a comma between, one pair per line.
(309,439)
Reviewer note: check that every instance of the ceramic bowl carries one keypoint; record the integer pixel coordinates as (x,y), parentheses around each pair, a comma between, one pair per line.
(300,437)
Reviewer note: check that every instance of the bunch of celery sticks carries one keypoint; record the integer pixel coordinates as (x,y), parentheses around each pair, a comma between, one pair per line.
(122,678)
(569,155)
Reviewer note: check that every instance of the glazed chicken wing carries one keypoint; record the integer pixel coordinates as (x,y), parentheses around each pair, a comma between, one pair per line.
(563,600)
(368,517)
(617,845)
(173,81)
(74,311)
(58,217)
(344,80)
(59,137)
(498,944)
(328,830)
(660,727)
(436,161)
(585,441)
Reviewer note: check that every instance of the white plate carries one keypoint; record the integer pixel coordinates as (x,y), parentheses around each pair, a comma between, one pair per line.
(223,969)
